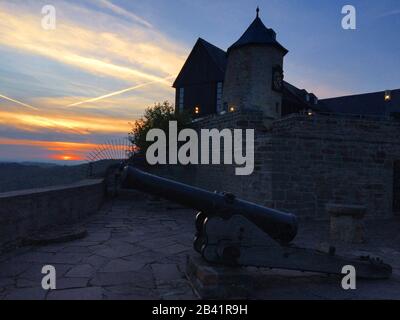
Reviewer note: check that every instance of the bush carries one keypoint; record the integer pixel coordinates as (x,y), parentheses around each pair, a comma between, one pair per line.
(158,117)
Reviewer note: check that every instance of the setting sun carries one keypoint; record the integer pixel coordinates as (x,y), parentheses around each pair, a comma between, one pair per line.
(67,157)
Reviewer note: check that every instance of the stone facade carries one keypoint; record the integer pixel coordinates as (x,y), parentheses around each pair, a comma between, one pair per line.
(305,162)
(248,80)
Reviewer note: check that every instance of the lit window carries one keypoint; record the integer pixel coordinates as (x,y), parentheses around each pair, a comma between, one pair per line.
(181,98)
(197,110)
(388,95)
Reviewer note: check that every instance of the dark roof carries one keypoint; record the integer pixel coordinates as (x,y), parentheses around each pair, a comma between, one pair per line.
(364,104)
(205,63)
(219,59)
(293,96)
(257,33)
(217,54)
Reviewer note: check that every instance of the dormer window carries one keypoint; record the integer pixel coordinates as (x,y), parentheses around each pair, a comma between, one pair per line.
(388,95)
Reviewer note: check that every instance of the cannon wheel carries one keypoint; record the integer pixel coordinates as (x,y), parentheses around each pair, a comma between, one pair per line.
(199,239)
(200,218)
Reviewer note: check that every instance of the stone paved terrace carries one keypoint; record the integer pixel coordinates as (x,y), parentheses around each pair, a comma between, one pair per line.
(137,250)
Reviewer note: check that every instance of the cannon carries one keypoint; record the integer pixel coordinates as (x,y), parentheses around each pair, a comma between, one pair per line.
(235,232)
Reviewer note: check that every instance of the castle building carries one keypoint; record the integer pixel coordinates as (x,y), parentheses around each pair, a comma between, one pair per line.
(249,76)
(309,152)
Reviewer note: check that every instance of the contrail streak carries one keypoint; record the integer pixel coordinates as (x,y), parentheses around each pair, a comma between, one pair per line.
(118,92)
(19,102)
(121,11)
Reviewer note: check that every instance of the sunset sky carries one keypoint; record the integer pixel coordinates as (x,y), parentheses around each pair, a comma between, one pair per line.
(63,91)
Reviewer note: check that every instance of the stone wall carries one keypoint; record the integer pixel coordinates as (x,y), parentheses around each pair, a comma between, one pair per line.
(323,159)
(23,213)
(305,162)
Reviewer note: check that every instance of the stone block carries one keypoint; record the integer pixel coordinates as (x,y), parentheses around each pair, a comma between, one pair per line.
(346,223)
(219,282)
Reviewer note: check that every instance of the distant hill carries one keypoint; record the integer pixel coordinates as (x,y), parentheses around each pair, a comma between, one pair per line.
(20,176)
(16,176)
(39,164)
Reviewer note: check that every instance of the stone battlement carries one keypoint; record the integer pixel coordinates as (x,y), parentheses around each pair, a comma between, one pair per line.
(345,127)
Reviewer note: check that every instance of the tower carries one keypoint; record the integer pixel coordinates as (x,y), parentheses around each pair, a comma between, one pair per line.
(254,72)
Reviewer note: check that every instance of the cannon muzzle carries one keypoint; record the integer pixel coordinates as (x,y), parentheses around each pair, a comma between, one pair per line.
(280,226)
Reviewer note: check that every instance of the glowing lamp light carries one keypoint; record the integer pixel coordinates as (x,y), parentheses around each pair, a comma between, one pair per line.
(196,110)
(388,95)
(310,113)
(232,109)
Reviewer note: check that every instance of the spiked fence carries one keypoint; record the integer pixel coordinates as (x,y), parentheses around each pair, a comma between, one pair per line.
(108,153)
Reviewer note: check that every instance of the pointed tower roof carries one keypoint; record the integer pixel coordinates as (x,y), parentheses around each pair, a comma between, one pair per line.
(257,33)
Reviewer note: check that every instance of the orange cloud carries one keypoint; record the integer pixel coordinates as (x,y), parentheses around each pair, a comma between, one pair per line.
(50,145)
(55,150)
(77,124)
(95,43)
(72,151)
(134,55)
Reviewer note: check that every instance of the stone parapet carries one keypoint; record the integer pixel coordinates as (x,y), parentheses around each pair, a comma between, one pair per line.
(23,213)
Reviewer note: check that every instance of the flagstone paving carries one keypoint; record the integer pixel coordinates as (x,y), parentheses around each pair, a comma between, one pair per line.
(134,250)
(137,250)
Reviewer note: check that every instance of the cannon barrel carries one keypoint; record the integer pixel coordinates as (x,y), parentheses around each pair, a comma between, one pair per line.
(278,225)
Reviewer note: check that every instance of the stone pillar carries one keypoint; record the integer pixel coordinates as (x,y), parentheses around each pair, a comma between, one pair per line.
(346,223)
